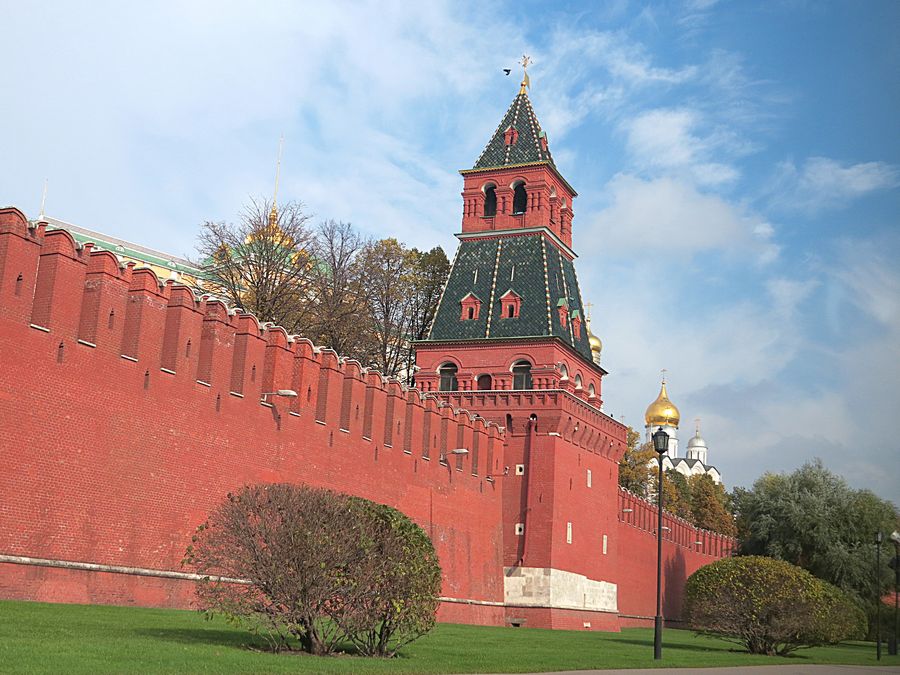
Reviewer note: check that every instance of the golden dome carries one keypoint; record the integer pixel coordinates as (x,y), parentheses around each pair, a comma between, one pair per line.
(593,340)
(662,411)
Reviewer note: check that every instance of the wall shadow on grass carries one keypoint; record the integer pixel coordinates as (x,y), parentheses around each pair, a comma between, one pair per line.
(242,640)
(206,636)
(725,647)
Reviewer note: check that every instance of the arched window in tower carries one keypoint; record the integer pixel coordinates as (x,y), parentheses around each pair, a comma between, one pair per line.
(490,200)
(448,377)
(563,372)
(521,371)
(578,381)
(484,382)
(520,198)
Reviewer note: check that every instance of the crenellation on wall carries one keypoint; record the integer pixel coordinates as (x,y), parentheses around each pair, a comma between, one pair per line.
(145,317)
(278,365)
(182,331)
(104,302)
(330,378)
(353,389)
(19,253)
(412,418)
(642,514)
(392,424)
(58,290)
(216,349)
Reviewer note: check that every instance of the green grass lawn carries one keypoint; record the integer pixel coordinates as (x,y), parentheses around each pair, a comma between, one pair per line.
(45,638)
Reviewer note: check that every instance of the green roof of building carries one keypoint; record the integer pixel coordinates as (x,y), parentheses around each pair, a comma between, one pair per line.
(527,149)
(528,265)
(124,249)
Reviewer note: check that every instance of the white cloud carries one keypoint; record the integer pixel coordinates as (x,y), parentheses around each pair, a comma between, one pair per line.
(586,72)
(182,123)
(869,273)
(787,294)
(684,142)
(671,214)
(822,183)
(667,140)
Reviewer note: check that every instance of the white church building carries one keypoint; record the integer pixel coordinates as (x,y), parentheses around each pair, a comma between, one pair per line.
(662,413)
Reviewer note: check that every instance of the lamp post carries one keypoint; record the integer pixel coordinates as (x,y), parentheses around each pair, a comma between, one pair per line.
(895,563)
(660,444)
(879,537)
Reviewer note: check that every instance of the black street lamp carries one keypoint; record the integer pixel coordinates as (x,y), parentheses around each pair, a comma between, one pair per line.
(660,444)
(879,537)
(895,563)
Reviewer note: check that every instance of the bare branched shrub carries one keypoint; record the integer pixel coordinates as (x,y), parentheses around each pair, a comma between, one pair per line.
(321,568)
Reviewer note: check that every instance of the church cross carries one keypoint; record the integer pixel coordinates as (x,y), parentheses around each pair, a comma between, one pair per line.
(525,62)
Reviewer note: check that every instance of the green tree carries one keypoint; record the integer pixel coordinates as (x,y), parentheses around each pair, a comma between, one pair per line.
(676,494)
(709,509)
(813,519)
(769,606)
(635,471)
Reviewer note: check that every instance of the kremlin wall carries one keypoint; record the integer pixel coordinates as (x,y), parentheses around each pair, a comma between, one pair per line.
(129,408)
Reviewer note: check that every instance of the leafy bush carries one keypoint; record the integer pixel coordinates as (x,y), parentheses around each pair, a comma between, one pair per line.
(769,606)
(307,565)
(393,598)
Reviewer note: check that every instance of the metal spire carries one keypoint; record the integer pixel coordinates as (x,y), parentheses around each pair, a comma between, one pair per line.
(273,214)
(43,200)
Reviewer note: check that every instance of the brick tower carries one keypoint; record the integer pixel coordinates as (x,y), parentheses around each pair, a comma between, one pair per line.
(509,343)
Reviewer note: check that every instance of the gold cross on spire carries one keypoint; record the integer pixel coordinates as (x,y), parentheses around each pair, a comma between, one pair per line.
(526,82)
(589,306)
(664,371)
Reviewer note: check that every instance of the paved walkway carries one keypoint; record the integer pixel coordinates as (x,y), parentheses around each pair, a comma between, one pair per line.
(741,670)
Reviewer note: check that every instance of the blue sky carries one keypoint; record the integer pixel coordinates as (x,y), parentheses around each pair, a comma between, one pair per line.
(738,166)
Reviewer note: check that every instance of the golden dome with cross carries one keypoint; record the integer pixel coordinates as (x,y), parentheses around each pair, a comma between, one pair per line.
(662,412)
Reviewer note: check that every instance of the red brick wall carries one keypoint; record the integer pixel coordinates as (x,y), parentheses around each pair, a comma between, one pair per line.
(129,409)
(682,556)
(118,435)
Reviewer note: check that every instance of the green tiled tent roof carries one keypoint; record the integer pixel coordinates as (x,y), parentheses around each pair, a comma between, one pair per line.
(527,149)
(529,266)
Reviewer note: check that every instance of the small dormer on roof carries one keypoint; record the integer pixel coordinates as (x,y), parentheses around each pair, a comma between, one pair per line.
(510,304)
(470,306)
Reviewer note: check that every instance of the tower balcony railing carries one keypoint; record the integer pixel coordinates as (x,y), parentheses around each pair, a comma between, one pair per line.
(531,399)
